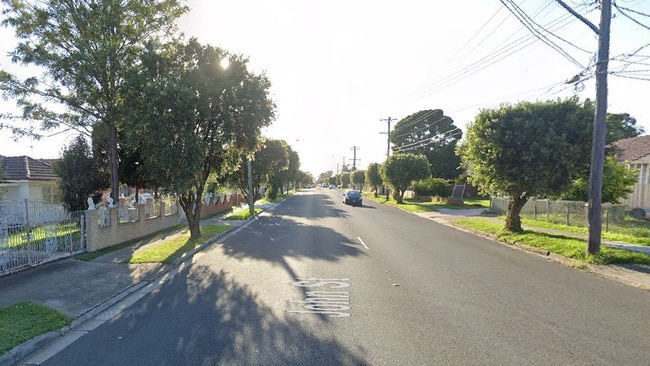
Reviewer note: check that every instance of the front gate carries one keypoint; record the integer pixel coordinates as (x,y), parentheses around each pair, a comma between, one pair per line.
(33,232)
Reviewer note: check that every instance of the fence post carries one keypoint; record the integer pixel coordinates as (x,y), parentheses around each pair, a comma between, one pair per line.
(82,223)
(28,230)
(606,219)
(548,210)
(567,216)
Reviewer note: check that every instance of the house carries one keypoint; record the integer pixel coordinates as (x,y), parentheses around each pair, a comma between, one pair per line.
(22,177)
(635,152)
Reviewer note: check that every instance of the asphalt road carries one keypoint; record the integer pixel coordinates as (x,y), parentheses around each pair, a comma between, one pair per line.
(315,282)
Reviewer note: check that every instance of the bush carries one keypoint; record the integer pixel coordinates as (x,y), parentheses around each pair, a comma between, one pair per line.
(432,187)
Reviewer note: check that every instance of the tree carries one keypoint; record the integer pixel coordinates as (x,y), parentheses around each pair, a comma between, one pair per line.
(305,178)
(85,49)
(432,134)
(400,170)
(344,179)
(272,156)
(617,183)
(359,178)
(621,126)
(373,176)
(80,175)
(199,117)
(289,175)
(325,176)
(528,149)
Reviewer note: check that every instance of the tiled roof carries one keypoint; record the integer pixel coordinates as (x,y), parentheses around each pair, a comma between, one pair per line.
(633,149)
(25,168)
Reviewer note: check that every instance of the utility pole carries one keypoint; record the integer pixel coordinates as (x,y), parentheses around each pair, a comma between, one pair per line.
(389,119)
(354,159)
(600,122)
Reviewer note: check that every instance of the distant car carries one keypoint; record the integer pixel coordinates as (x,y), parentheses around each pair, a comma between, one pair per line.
(332,186)
(352,197)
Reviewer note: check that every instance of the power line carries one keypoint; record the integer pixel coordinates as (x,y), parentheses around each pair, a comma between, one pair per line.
(532,26)
(499,53)
(630,17)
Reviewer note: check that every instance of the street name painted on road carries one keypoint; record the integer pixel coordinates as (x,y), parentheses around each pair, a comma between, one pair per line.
(335,304)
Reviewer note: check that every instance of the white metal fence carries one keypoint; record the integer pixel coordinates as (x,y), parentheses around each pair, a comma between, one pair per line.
(33,232)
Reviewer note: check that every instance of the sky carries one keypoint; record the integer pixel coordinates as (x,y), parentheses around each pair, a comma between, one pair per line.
(339,69)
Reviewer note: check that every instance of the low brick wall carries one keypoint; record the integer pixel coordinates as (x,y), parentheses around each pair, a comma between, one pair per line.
(220,203)
(99,237)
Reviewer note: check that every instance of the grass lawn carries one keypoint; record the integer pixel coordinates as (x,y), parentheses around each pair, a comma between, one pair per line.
(558,244)
(622,234)
(173,249)
(89,256)
(25,320)
(242,214)
(414,205)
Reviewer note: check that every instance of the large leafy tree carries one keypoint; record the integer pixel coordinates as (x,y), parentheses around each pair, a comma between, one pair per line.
(290,175)
(325,176)
(80,174)
(194,117)
(432,134)
(85,49)
(271,157)
(622,126)
(528,149)
(400,170)
(373,176)
(359,178)
(344,179)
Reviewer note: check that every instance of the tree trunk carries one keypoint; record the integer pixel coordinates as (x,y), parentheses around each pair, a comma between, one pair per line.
(113,162)
(192,209)
(513,218)
(399,196)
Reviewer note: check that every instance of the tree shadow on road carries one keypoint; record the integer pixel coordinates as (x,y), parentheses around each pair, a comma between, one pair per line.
(205,318)
(274,238)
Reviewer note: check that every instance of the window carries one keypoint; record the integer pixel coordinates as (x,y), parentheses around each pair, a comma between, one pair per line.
(52,195)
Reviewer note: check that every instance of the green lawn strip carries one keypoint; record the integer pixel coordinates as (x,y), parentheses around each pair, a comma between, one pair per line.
(25,320)
(89,256)
(242,214)
(413,205)
(559,244)
(277,199)
(630,237)
(220,213)
(173,249)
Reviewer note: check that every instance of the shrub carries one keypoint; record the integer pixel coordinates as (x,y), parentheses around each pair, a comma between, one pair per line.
(432,187)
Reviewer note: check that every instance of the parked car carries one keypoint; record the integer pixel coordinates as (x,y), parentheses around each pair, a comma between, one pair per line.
(332,186)
(352,197)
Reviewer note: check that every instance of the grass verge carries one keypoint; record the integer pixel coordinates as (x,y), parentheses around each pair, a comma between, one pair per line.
(413,205)
(563,245)
(242,214)
(173,249)
(632,237)
(25,320)
(89,256)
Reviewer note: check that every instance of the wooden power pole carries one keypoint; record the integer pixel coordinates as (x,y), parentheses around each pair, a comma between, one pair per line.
(600,122)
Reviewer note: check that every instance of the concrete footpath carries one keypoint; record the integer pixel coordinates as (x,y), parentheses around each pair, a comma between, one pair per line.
(85,289)
(94,291)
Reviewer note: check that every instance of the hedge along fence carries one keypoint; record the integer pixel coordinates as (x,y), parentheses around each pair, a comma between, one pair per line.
(570,213)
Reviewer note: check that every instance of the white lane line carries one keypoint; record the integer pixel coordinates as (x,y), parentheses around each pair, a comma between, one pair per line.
(362,243)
